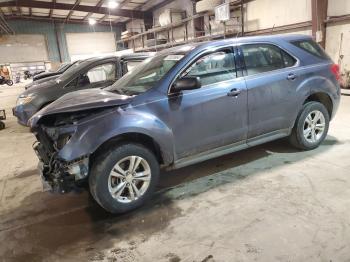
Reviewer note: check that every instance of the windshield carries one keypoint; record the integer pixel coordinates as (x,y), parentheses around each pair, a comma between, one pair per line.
(69,72)
(144,76)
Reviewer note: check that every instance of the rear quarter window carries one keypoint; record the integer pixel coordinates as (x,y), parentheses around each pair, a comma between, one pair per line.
(312,48)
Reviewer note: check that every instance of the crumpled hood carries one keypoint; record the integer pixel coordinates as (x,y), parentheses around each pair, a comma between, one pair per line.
(39,82)
(79,101)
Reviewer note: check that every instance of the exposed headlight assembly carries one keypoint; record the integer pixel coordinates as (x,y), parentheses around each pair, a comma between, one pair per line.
(25,99)
(60,136)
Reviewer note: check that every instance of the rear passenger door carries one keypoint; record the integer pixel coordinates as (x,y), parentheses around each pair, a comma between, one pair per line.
(272,81)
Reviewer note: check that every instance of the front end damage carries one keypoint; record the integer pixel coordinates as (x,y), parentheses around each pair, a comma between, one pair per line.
(68,131)
(58,175)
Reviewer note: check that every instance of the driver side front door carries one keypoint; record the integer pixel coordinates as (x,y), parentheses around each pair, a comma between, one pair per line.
(97,77)
(215,115)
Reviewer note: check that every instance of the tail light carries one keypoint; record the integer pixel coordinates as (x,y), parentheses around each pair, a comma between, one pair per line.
(335,71)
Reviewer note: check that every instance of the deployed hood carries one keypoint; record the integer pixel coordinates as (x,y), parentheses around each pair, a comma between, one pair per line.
(80,101)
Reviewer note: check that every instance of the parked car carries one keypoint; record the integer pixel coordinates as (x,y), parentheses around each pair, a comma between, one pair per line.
(45,76)
(183,106)
(90,73)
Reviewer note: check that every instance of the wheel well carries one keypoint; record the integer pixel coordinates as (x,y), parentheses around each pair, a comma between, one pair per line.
(322,98)
(137,138)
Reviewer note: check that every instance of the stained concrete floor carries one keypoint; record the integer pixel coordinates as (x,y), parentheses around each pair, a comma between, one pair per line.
(267,203)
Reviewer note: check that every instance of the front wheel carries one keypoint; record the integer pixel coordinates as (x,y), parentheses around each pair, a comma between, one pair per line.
(9,82)
(311,126)
(124,177)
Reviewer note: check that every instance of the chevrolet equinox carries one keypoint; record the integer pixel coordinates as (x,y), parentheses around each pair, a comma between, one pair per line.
(185,105)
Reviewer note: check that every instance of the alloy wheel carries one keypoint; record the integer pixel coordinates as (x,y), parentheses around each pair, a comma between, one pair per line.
(314,126)
(129,179)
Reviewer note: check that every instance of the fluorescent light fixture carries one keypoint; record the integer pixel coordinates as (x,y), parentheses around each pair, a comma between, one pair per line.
(92,21)
(112,4)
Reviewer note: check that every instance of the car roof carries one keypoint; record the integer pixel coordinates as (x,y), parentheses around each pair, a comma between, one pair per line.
(236,40)
(137,56)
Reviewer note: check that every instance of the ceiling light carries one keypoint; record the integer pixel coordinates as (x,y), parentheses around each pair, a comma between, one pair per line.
(112,4)
(92,21)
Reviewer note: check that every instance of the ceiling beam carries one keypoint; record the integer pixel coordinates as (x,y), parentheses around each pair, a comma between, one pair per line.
(51,10)
(102,18)
(83,8)
(77,2)
(57,19)
(99,4)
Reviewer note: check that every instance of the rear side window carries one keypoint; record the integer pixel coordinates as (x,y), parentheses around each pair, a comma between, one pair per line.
(311,47)
(260,58)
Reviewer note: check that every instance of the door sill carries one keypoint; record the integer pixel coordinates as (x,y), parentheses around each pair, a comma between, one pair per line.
(231,148)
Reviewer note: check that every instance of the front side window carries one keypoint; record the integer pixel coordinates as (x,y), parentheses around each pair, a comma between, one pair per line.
(213,68)
(260,58)
(100,73)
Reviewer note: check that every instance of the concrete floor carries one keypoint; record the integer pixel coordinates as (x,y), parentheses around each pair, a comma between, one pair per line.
(267,203)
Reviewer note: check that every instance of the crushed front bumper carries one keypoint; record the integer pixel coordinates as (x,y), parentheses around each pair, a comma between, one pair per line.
(57,175)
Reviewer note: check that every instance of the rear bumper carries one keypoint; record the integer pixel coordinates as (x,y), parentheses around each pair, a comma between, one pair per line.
(23,113)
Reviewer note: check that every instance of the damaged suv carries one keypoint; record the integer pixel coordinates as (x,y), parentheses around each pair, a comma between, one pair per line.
(185,105)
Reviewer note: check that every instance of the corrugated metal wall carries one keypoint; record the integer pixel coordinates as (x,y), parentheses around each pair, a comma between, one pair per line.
(48,29)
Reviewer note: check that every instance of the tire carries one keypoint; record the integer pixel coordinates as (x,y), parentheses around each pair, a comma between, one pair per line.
(101,182)
(2,125)
(9,82)
(310,140)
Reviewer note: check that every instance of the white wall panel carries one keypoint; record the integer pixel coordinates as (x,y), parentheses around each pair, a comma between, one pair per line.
(90,43)
(338,7)
(262,14)
(333,36)
(23,48)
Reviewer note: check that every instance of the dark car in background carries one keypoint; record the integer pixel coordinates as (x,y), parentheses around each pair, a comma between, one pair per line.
(45,76)
(86,74)
(185,105)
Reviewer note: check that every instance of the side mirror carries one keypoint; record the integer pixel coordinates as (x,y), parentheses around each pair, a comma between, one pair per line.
(187,83)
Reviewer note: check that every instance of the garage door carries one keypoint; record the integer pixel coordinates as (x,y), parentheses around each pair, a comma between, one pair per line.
(23,48)
(80,44)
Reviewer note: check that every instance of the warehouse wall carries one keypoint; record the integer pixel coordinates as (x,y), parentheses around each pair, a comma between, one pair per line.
(335,32)
(48,30)
(23,48)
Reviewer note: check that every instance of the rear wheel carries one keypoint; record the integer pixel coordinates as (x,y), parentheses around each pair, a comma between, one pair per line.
(311,126)
(124,177)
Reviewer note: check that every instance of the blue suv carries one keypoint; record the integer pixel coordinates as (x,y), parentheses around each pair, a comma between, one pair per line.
(185,105)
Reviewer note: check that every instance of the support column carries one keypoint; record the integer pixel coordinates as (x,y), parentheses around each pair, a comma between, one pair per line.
(319,15)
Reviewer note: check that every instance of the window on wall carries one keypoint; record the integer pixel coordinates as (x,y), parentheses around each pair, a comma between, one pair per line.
(261,58)
(213,68)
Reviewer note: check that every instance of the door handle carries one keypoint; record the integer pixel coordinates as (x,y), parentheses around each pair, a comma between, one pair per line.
(234,92)
(291,77)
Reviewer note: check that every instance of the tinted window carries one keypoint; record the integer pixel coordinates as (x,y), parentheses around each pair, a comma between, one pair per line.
(261,58)
(213,68)
(311,47)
